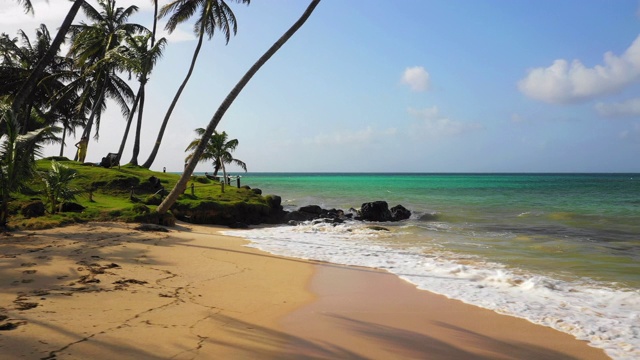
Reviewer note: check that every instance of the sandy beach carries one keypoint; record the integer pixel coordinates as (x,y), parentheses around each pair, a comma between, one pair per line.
(104,291)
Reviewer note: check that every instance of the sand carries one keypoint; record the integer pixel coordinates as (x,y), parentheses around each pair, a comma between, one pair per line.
(105,291)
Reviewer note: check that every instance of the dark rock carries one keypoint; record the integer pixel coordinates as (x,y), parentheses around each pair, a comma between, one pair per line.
(293,222)
(274,201)
(399,213)
(311,209)
(72,207)
(375,211)
(155,182)
(257,191)
(298,216)
(33,209)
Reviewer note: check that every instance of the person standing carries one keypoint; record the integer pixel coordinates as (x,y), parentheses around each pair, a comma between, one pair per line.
(82,148)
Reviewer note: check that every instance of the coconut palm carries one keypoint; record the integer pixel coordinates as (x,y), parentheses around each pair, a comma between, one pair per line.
(23,94)
(218,149)
(17,62)
(213,14)
(140,56)
(26,4)
(198,151)
(94,48)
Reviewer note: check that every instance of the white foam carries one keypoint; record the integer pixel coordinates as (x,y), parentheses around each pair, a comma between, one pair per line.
(607,318)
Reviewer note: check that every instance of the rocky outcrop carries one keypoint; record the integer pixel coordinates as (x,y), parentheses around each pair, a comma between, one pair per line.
(375,211)
(372,211)
(399,213)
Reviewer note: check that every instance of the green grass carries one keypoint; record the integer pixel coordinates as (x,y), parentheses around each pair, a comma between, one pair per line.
(106,196)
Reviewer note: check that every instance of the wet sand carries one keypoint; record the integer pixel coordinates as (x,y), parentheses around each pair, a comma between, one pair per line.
(104,291)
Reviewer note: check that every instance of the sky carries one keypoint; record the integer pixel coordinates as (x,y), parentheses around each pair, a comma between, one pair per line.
(404,86)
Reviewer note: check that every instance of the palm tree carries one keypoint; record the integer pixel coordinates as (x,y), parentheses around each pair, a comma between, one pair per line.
(140,57)
(17,157)
(57,185)
(191,165)
(17,63)
(213,14)
(94,47)
(24,92)
(26,4)
(218,150)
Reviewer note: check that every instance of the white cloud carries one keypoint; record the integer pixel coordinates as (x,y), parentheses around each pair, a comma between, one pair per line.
(417,78)
(629,108)
(563,83)
(434,124)
(348,137)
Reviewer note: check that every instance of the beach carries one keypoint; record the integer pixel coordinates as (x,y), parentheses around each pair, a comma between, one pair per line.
(107,290)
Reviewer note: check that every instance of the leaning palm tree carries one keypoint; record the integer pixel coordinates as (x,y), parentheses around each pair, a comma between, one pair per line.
(218,150)
(213,14)
(191,165)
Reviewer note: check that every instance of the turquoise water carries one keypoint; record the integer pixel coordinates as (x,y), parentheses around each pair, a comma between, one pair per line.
(562,250)
(584,224)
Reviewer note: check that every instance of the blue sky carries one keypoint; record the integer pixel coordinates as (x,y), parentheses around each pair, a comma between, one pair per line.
(407,86)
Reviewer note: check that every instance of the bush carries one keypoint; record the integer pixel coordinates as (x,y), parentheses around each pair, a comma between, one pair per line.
(140,209)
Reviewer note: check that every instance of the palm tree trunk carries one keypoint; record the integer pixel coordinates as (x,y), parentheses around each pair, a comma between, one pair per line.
(191,165)
(129,121)
(27,88)
(155,22)
(136,142)
(94,110)
(64,136)
(147,164)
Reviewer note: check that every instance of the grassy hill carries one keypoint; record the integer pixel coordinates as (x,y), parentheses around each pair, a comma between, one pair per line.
(126,193)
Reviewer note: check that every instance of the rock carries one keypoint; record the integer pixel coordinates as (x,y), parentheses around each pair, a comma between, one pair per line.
(298,216)
(33,209)
(399,212)
(72,207)
(375,211)
(274,201)
(257,191)
(311,209)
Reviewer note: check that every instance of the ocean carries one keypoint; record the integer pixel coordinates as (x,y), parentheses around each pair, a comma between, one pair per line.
(561,250)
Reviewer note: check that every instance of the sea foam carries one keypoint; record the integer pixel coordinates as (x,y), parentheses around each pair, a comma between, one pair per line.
(606,317)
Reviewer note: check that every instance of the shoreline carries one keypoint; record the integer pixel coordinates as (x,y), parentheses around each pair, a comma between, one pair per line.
(101,290)
(380,316)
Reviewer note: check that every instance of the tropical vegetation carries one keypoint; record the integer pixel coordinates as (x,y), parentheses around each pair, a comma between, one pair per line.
(218,150)
(47,96)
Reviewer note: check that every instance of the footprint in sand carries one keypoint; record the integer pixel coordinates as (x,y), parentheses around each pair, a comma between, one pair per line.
(28,264)
(22,305)
(29,272)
